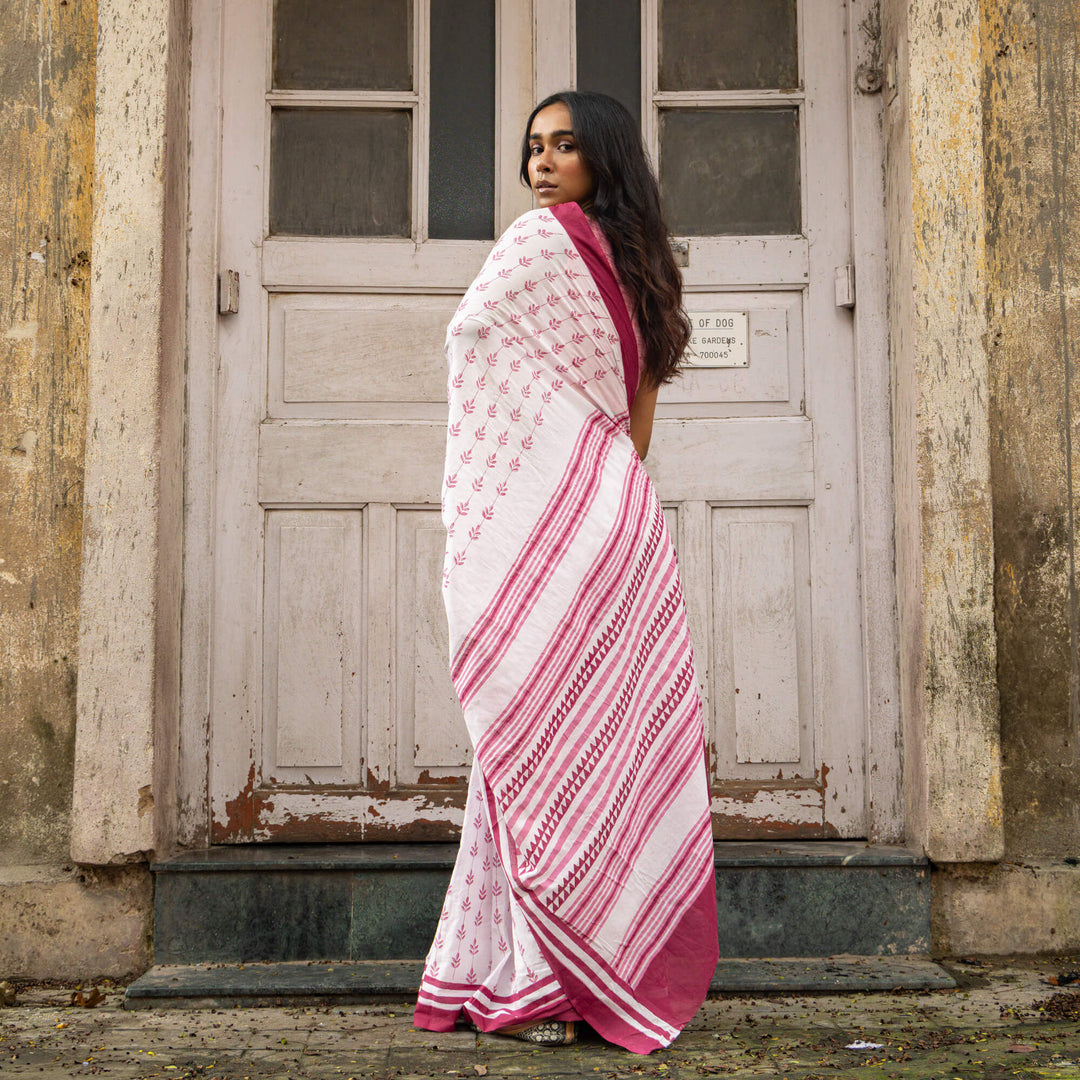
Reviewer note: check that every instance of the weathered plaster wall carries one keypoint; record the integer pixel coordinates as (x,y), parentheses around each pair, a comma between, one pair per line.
(75,923)
(937,317)
(1032,108)
(124,791)
(46,159)
(1028,907)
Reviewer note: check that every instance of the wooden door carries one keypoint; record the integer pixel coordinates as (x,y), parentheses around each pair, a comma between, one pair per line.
(370,156)
(362,186)
(746,111)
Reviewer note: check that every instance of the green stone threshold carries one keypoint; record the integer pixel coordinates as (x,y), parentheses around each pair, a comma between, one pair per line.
(380,902)
(312,982)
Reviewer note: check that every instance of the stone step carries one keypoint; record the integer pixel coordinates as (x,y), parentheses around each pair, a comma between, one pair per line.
(309,982)
(360,902)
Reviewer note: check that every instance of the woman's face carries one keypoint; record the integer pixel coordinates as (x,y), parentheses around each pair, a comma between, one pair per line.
(557,171)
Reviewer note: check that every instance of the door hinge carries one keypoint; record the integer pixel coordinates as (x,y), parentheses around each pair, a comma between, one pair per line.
(845,285)
(228,292)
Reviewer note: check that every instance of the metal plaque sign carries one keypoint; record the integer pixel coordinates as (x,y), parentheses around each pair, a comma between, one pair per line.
(720,339)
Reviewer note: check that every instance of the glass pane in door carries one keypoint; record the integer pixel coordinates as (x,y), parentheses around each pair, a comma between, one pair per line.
(609,49)
(728,45)
(461,167)
(340,172)
(730,171)
(343,45)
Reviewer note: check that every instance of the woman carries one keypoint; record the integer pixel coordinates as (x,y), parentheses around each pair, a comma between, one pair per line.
(583,890)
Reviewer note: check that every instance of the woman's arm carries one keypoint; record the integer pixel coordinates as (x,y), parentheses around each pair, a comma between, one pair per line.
(641,417)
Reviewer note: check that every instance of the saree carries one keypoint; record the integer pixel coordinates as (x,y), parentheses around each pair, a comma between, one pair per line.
(584,886)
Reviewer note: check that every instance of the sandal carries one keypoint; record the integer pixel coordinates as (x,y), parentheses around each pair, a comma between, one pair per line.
(548,1033)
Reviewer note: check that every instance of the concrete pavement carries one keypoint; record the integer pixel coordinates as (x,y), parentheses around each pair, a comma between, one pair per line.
(1004,1020)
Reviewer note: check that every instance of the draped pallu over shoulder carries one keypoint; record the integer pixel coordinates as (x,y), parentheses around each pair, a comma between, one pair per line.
(584,886)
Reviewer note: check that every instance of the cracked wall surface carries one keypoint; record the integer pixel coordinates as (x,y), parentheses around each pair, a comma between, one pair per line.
(1031,94)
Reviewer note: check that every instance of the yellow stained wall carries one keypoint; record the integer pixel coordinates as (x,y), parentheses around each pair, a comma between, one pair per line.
(46,168)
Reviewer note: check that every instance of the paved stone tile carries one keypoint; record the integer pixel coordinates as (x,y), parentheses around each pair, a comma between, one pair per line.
(284,1055)
(435,1063)
(28,1059)
(324,1042)
(989,1029)
(522,1060)
(462,1039)
(351,1063)
(331,1070)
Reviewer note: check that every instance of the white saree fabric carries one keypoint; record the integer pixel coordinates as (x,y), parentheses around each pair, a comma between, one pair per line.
(584,884)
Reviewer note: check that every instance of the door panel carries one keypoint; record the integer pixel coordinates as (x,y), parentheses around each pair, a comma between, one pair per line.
(349,356)
(771,384)
(374,462)
(313,647)
(762,686)
(432,741)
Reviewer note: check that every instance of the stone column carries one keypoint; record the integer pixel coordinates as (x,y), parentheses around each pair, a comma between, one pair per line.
(945,557)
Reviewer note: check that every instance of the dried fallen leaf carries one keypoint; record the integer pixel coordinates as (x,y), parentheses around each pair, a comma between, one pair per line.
(481,1070)
(1064,978)
(87,1001)
(1019,1048)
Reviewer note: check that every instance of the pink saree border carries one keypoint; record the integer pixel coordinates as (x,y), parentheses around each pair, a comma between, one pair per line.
(572,218)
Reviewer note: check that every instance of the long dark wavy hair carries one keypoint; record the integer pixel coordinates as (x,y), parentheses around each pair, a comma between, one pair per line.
(626,203)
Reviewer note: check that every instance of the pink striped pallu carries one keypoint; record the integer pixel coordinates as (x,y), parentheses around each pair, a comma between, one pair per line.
(584,886)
